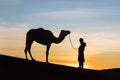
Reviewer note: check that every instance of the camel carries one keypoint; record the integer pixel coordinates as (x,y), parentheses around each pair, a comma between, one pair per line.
(44,37)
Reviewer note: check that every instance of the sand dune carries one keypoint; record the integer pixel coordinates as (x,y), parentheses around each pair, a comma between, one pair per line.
(16,68)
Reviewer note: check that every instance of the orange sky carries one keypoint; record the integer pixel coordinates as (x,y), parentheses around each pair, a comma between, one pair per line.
(99,53)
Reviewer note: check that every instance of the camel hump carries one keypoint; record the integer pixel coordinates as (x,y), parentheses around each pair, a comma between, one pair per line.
(33,31)
(40,29)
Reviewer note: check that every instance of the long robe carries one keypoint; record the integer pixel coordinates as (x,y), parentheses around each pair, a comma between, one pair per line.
(81,57)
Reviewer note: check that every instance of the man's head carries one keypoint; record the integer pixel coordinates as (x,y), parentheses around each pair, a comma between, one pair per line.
(81,40)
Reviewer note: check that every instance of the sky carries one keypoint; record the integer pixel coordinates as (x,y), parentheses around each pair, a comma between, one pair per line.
(96,21)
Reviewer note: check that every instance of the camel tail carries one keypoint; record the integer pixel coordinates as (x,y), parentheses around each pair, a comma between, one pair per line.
(25,50)
(26,43)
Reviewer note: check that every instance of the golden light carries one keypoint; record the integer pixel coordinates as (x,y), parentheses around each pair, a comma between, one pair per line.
(85,66)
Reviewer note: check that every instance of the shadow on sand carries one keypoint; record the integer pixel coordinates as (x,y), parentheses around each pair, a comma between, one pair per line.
(16,68)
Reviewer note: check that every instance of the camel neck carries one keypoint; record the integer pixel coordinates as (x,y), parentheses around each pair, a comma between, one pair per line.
(60,38)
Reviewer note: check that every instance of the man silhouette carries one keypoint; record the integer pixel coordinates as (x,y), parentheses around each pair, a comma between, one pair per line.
(81,58)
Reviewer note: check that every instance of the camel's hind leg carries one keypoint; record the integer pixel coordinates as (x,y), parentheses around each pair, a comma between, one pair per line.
(26,52)
(28,48)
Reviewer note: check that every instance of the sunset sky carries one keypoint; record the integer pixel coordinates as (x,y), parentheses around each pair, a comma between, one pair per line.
(96,21)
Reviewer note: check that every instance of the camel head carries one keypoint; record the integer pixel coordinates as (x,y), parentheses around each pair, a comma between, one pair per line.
(65,32)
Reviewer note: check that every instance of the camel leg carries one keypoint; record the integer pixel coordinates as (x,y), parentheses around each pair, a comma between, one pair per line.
(29,50)
(47,52)
(26,52)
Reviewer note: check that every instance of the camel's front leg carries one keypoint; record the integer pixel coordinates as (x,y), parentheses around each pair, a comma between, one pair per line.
(47,52)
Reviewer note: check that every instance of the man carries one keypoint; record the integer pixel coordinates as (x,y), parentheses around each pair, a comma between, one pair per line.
(81,58)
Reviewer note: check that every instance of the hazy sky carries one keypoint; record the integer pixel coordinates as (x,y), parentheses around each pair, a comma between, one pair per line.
(97,21)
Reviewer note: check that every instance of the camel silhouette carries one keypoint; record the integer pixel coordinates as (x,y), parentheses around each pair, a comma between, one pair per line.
(44,37)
